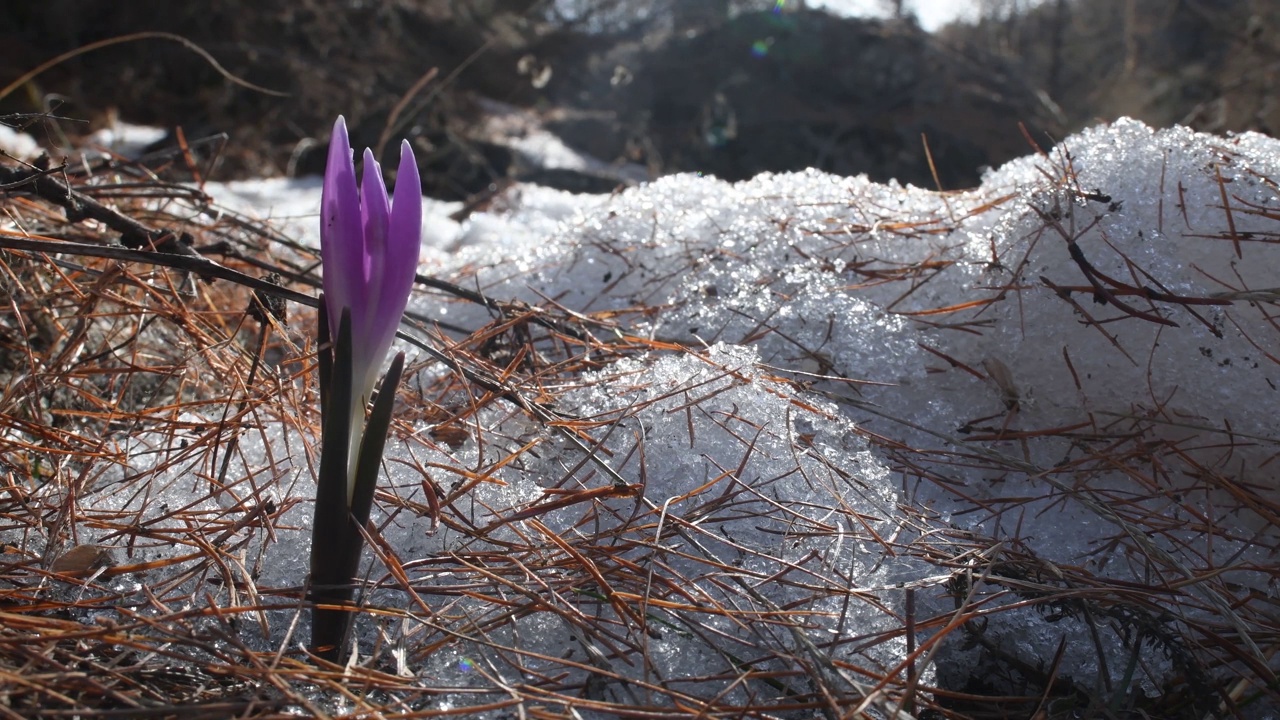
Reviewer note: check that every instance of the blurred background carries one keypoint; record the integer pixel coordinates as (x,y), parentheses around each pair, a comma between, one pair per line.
(647,87)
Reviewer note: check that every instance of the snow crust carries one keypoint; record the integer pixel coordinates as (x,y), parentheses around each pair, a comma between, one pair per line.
(830,323)
(801,268)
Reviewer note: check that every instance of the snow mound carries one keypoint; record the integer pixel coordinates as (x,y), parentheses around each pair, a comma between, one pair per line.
(793,443)
(1067,362)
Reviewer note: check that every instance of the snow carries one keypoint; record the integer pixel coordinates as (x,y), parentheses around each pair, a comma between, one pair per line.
(881,391)
(536,147)
(801,269)
(931,14)
(18,144)
(289,205)
(127,139)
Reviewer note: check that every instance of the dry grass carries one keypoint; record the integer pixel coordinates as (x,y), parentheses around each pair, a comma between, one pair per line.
(131,361)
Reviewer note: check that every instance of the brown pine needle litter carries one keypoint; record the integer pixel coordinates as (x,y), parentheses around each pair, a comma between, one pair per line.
(156,347)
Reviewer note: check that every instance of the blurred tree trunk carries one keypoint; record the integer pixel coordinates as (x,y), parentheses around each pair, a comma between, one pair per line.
(1002,18)
(1057,32)
(1130,36)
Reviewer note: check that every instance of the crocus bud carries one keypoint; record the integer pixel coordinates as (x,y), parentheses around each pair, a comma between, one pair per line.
(369,246)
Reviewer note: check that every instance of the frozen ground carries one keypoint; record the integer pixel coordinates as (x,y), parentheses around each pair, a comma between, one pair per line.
(1024,430)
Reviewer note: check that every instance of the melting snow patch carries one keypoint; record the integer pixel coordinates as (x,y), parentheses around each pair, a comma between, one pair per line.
(730,445)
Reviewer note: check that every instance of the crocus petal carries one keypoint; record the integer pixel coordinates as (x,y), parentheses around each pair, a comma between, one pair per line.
(341,231)
(404,237)
(375,208)
(370,317)
(403,244)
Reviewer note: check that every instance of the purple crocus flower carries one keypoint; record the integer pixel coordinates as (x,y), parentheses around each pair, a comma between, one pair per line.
(369,246)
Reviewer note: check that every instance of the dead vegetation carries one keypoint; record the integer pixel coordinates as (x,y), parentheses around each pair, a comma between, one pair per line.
(143,345)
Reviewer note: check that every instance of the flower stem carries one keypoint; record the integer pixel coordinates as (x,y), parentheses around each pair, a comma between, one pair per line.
(330,585)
